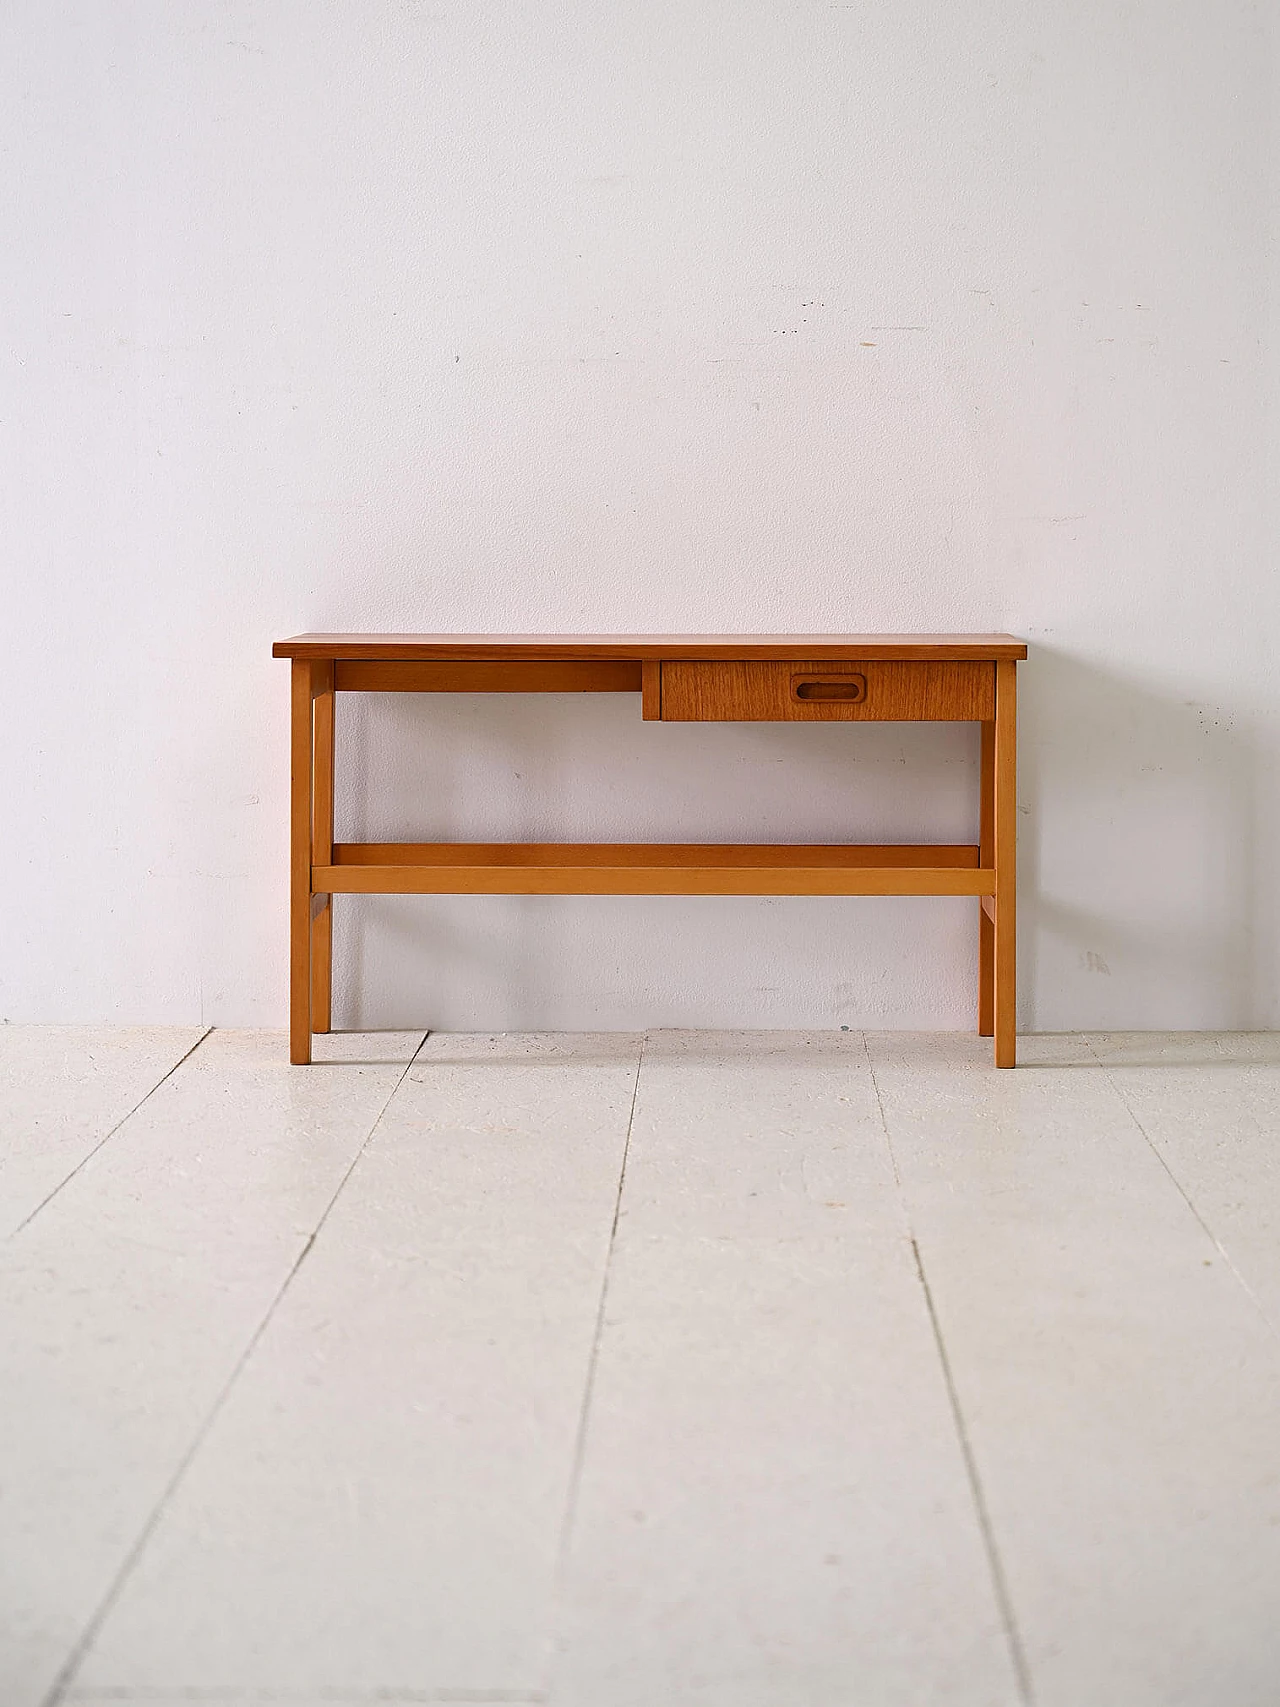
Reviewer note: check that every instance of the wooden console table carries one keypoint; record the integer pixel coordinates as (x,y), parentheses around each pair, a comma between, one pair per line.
(787,678)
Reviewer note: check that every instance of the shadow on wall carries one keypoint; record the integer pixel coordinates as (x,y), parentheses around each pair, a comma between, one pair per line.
(506,767)
(1138,840)
(1138,879)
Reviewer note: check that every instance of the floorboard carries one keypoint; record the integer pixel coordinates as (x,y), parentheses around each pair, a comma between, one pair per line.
(63,1091)
(1119,1389)
(380,1503)
(771,1369)
(774,1506)
(128,1302)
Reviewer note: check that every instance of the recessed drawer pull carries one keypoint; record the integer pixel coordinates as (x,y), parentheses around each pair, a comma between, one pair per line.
(829,687)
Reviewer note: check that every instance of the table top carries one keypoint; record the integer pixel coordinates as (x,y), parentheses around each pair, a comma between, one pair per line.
(420,647)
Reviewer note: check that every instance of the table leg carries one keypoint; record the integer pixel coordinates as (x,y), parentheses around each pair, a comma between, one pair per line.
(1006,860)
(322,847)
(300,754)
(986,857)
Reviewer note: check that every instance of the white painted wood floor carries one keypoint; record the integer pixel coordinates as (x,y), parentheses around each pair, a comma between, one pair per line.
(770,1370)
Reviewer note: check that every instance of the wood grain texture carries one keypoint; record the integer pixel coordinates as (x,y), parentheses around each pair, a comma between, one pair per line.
(510,868)
(322,843)
(774,691)
(451,675)
(300,864)
(927,855)
(750,678)
(651,690)
(1005,825)
(513,647)
(986,916)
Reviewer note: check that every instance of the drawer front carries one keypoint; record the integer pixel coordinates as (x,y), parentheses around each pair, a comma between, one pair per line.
(780,691)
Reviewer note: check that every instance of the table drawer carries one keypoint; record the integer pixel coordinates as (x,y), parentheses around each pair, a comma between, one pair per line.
(847,691)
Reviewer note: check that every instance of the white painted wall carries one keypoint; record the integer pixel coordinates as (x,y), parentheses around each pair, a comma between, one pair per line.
(637,314)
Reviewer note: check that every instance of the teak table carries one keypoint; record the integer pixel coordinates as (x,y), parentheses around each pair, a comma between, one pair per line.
(776,678)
